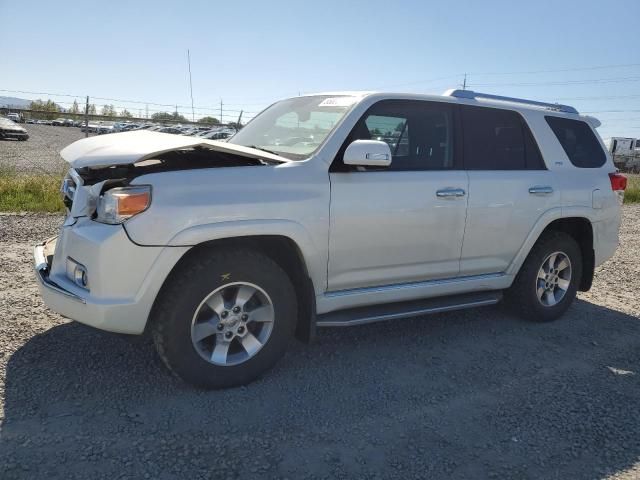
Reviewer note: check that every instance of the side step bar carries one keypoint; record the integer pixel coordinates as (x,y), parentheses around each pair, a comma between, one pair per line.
(393,311)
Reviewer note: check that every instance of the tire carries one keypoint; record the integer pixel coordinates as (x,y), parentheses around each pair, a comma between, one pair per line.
(524,295)
(216,278)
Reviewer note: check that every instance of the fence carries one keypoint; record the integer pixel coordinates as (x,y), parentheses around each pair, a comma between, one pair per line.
(49,132)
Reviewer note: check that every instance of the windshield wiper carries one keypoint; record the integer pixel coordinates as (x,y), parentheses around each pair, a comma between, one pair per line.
(263,149)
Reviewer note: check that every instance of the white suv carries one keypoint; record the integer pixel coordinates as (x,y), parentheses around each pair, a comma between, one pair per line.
(330,210)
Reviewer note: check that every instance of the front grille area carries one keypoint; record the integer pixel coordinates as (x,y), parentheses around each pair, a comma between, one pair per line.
(68,190)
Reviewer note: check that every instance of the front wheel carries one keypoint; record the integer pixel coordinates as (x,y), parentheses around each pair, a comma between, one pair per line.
(224,318)
(547,282)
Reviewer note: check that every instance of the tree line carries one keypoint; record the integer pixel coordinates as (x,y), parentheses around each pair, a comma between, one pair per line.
(49,110)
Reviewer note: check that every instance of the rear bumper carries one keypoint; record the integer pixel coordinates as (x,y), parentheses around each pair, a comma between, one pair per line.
(124,278)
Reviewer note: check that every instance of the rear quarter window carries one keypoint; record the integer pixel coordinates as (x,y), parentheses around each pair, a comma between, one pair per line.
(578,142)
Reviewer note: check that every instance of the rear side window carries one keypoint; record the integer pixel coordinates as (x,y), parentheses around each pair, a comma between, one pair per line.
(496,139)
(578,141)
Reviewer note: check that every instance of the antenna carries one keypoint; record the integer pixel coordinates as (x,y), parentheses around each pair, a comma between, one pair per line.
(193,115)
(464,82)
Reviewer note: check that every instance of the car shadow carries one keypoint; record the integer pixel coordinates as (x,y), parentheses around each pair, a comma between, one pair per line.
(470,394)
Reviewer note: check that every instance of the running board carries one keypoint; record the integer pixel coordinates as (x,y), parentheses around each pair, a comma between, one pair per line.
(393,311)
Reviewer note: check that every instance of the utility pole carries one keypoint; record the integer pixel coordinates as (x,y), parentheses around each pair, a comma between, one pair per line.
(239,120)
(146,111)
(464,82)
(221,112)
(193,115)
(86,118)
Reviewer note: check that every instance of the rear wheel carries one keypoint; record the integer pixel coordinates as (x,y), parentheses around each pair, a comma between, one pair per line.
(547,283)
(224,319)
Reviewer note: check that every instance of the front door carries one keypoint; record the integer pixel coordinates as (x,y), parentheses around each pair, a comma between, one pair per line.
(403,223)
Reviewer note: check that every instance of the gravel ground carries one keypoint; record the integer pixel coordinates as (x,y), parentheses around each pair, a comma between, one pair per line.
(41,153)
(473,394)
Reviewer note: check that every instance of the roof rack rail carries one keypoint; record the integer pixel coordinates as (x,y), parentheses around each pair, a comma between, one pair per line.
(477,95)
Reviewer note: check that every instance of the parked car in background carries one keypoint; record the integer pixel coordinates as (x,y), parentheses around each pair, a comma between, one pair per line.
(11,130)
(31,120)
(174,130)
(15,117)
(68,122)
(44,122)
(219,134)
(58,122)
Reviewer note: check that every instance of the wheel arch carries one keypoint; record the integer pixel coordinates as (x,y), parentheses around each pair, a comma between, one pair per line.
(285,252)
(579,228)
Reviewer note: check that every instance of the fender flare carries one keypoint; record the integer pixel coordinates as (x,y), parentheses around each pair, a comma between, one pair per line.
(315,261)
(541,224)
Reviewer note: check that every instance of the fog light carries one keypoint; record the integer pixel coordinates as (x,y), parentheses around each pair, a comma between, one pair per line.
(77,273)
(80,276)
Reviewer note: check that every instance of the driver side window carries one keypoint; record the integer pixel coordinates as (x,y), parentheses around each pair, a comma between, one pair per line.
(419,134)
(392,130)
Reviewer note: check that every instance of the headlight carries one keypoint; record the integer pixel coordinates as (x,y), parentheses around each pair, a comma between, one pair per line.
(118,204)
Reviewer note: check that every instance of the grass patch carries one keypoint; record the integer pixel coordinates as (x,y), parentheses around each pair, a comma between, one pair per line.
(30,192)
(632,193)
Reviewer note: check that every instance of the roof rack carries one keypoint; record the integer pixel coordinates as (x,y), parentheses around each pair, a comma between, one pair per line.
(477,95)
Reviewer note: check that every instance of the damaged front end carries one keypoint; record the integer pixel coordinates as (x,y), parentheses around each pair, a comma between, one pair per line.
(103,164)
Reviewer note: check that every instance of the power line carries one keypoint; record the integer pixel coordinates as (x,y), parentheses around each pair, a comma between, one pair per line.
(577,69)
(612,111)
(141,102)
(604,97)
(563,82)
(529,72)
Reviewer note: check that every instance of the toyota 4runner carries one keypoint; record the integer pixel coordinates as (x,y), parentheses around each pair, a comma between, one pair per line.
(329,210)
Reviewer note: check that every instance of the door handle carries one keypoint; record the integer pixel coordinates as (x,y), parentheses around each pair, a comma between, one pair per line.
(450,193)
(541,190)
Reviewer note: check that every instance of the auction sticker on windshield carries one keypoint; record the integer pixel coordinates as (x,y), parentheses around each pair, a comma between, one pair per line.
(338,102)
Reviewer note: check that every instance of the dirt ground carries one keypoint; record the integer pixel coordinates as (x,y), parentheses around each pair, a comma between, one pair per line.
(41,152)
(473,394)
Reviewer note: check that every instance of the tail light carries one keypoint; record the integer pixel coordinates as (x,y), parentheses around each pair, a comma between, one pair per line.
(618,185)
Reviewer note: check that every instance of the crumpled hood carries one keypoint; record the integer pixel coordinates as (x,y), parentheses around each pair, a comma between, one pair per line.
(131,147)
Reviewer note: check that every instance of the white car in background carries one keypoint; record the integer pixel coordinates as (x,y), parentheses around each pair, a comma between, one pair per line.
(11,130)
(330,210)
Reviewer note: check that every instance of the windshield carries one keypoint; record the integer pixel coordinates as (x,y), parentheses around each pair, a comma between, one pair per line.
(296,127)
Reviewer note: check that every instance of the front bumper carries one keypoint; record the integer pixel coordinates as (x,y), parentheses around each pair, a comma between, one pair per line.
(14,134)
(124,278)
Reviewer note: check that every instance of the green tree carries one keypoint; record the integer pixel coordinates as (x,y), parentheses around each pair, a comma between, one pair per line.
(92,109)
(209,120)
(108,111)
(45,110)
(125,113)
(74,108)
(165,116)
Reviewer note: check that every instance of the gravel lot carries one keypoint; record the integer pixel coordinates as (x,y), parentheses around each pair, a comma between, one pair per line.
(41,153)
(473,394)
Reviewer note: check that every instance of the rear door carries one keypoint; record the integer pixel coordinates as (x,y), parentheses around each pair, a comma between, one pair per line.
(509,187)
(403,223)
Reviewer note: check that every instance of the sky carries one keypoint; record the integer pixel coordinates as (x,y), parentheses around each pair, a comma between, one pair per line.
(247,54)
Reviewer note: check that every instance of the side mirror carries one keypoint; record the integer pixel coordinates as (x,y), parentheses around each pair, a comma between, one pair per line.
(368,153)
